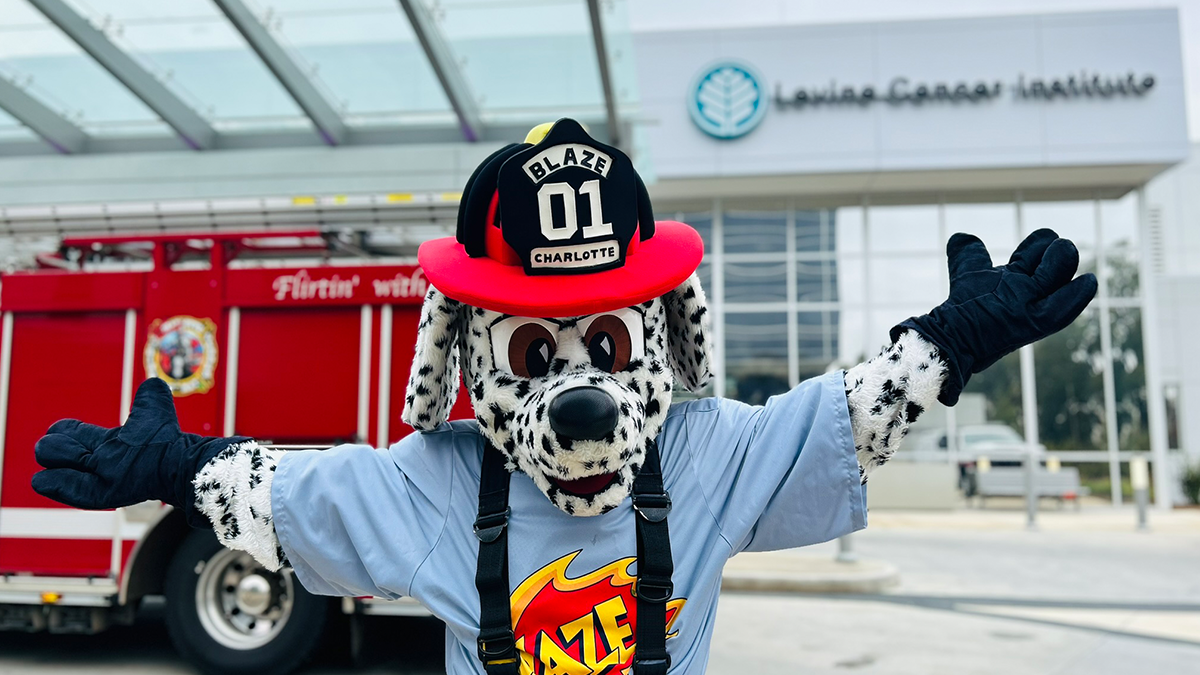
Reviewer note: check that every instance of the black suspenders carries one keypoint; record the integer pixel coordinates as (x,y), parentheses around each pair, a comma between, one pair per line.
(497,646)
(651,503)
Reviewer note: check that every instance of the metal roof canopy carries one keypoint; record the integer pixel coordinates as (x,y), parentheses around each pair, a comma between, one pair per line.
(606,79)
(191,127)
(55,129)
(314,104)
(454,83)
(64,136)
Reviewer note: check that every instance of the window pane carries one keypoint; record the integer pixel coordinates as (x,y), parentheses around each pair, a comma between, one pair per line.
(916,279)
(1070,389)
(851,347)
(755,231)
(903,228)
(1129,379)
(883,319)
(755,356)
(1123,273)
(816,281)
(818,339)
(847,223)
(1118,218)
(701,221)
(994,396)
(755,282)
(704,272)
(815,231)
(995,224)
(1073,220)
(1094,476)
(851,280)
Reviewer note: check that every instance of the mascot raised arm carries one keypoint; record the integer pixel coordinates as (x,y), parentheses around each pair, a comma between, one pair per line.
(580,523)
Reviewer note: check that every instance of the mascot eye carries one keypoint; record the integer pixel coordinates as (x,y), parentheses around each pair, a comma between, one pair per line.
(530,350)
(614,339)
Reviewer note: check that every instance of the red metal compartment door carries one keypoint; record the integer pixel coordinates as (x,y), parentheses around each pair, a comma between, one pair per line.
(298,372)
(63,365)
(404,340)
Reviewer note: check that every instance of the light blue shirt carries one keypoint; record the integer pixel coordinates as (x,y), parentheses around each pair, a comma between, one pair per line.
(356,521)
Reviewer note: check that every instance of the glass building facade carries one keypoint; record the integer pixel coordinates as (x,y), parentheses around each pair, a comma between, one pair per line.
(796,291)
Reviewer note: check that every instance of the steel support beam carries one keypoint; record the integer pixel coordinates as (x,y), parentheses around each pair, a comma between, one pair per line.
(55,129)
(191,127)
(606,82)
(441,57)
(328,122)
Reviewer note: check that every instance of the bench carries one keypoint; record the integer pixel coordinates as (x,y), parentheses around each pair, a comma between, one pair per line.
(1009,481)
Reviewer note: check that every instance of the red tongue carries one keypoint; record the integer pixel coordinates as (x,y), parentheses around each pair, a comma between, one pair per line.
(585,486)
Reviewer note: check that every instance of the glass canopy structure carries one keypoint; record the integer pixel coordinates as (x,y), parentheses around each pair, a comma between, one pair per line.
(105,76)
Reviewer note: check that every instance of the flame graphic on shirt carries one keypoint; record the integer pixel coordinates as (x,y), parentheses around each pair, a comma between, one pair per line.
(580,626)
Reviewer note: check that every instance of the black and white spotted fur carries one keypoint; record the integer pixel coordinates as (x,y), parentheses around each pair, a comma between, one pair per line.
(512,410)
(885,395)
(234,491)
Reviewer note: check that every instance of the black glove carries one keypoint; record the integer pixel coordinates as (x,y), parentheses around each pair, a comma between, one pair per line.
(90,467)
(993,311)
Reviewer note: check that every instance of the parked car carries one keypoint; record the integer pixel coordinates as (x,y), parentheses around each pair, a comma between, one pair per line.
(998,442)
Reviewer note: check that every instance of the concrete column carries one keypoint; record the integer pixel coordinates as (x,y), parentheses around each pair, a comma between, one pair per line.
(1106,355)
(1156,407)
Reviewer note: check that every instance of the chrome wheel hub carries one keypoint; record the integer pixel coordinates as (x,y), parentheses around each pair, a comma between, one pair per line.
(253,595)
(241,604)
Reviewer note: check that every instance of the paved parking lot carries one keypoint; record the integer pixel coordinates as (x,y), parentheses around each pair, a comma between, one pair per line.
(1085,595)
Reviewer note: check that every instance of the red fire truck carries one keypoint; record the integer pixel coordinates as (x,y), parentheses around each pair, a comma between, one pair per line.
(252,343)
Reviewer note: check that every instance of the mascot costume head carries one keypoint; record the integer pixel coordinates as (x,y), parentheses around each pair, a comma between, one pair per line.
(570,311)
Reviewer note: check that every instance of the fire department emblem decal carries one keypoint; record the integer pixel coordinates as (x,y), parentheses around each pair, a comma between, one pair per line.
(585,624)
(182,350)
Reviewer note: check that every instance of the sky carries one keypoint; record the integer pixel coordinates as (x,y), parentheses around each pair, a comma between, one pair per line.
(652,15)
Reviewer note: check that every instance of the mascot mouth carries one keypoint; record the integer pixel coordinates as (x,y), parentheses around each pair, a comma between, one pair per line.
(587,486)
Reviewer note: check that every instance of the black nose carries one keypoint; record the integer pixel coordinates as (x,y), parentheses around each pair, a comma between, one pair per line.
(583,413)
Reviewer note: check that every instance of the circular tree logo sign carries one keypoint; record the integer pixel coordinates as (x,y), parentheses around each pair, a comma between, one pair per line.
(182,350)
(727,100)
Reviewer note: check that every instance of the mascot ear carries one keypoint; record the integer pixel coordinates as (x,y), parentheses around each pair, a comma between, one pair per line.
(689,330)
(433,382)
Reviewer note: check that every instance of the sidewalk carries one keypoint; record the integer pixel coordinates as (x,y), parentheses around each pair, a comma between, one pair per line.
(791,572)
(1009,514)
(815,569)
(1085,593)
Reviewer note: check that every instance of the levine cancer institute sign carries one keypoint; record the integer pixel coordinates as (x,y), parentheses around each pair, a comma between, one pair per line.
(1067,90)
(727,100)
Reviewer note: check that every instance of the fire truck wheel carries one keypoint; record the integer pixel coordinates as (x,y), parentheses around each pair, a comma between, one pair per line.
(227,614)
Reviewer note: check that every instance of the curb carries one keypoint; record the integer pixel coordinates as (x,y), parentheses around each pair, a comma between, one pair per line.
(808,575)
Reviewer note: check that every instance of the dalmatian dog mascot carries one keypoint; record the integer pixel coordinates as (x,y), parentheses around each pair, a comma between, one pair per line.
(580,523)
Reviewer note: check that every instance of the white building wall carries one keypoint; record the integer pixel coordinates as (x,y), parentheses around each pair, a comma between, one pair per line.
(1173,199)
(1179,340)
(1004,132)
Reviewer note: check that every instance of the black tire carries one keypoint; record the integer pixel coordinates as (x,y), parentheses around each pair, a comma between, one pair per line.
(208,626)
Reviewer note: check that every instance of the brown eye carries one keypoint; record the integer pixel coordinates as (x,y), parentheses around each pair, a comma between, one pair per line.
(608,343)
(530,350)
